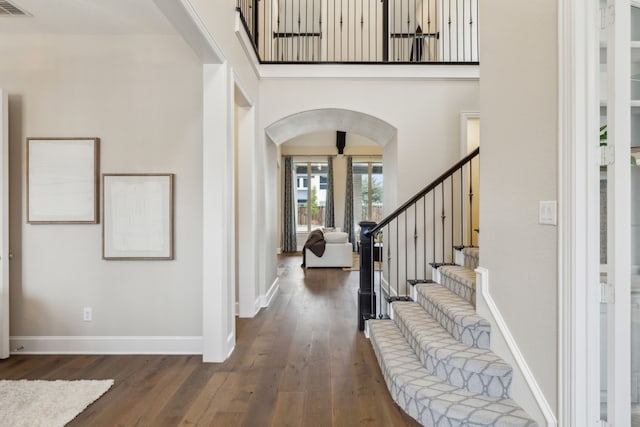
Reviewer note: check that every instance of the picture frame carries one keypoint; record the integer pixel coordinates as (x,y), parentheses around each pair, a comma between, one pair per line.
(63,180)
(137,216)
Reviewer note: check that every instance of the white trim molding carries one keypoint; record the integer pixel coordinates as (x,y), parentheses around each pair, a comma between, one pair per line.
(578,204)
(271,293)
(525,389)
(190,26)
(106,345)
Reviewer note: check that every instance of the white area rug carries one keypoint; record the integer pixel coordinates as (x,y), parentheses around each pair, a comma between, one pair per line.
(46,403)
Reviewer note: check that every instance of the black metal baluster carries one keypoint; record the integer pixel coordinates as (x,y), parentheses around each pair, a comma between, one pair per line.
(464,37)
(462,206)
(381,240)
(406,250)
(308,34)
(443,217)
(471,29)
(334,22)
(361,30)
(285,41)
(457,32)
(348,30)
(369,17)
(341,29)
(372,272)
(397,221)
(453,218)
(424,234)
(299,43)
(430,39)
(388,261)
(449,31)
(415,241)
(433,224)
(471,202)
(399,55)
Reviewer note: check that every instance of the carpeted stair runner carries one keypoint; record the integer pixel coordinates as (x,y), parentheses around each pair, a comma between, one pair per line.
(454,313)
(436,360)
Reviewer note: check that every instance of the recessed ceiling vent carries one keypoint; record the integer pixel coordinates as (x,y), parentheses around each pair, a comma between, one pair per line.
(9,9)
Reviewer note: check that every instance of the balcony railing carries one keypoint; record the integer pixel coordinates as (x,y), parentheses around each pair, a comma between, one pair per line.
(363,31)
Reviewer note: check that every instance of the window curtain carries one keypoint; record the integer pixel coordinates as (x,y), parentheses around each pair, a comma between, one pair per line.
(348,205)
(329,216)
(289,243)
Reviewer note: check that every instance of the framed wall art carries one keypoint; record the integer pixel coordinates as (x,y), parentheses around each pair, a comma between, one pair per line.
(62,180)
(137,220)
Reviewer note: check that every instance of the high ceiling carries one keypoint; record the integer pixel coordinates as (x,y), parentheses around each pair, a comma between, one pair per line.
(86,17)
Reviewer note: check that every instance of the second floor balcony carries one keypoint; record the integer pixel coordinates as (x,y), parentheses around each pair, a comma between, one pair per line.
(363,31)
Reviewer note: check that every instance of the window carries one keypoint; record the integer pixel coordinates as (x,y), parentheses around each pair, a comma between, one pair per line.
(367,191)
(311,194)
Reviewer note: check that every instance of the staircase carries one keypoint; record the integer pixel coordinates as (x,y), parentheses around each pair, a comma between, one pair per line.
(435,357)
(418,308)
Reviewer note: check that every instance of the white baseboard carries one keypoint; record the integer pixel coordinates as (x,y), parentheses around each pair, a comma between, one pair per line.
(257,305)
(271,293)
(105,345)
(525,389)
(279,251)
(231,344)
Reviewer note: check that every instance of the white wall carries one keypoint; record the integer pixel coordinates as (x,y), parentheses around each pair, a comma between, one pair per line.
(142,96)
(425,112)
(518,93)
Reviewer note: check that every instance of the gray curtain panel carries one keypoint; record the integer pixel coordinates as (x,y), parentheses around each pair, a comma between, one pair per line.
(348,205)
(329,216)
(289,243)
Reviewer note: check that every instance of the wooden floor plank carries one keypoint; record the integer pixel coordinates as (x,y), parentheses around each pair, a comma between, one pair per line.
(299,362)
(289,409)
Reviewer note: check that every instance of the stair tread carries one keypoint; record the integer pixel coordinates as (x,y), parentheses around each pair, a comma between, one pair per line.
(452,304)
(434,339)
(471,251)
(460,273)
(428,399)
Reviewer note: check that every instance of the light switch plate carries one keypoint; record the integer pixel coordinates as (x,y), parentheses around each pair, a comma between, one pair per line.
(548,214)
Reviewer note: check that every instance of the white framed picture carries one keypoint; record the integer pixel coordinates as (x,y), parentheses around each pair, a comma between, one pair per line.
(137,221)
(62,180)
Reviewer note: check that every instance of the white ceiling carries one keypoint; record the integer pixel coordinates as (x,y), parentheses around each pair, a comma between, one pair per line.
(87,17)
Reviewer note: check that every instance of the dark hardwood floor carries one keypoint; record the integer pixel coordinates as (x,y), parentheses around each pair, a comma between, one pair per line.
(300,362)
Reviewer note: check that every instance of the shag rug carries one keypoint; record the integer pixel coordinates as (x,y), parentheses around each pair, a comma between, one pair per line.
(46,403)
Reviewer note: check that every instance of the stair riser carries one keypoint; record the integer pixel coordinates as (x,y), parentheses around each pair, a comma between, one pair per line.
(478,336)
(475,383)
(471,262)
(471,257)
(461,289)
(485,382)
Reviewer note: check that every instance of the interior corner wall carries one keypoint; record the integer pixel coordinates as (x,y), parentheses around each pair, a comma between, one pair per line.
(142,96)
(519,140)
(219,18)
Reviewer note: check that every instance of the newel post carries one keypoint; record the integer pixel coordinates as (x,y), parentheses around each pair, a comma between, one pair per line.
(366,294)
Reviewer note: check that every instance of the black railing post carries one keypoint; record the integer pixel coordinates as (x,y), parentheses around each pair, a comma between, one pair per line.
(256,22)
(385,30)
(366,294)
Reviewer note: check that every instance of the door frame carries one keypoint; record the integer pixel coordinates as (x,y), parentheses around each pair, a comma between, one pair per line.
(4,225)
